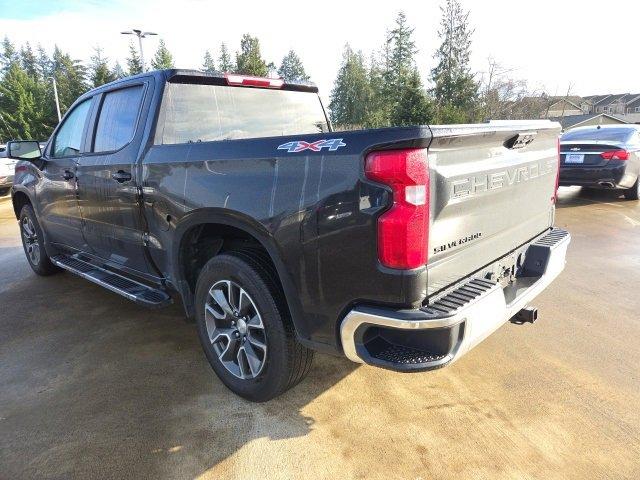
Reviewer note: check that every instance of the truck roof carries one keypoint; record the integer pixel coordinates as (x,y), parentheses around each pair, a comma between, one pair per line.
(180,75)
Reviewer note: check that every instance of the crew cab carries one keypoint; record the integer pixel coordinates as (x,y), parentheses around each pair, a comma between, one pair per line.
(401,248)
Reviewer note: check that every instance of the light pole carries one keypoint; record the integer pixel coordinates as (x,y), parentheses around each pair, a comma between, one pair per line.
(55,94)
(140,34)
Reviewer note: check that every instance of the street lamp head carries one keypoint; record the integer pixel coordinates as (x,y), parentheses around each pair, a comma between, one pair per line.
(138,32)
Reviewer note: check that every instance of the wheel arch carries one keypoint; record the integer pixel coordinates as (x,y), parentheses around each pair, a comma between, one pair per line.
(20,198)
(213,217)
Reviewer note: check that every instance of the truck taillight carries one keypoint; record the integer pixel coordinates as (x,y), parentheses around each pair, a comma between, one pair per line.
(403,230)
(248,81)
(615,155)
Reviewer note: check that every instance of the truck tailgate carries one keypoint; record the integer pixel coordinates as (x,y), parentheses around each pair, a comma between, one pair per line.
(492,189)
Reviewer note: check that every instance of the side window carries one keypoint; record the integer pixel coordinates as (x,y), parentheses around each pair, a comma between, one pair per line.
(117,120)
(69,137)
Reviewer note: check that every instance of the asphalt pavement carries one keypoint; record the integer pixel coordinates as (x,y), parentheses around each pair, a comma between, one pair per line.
(93,386)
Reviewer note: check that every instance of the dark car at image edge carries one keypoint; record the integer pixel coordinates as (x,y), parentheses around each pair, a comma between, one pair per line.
(602,157)
(401,248)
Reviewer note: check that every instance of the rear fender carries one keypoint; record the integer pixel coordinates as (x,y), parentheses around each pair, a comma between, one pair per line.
(249,226)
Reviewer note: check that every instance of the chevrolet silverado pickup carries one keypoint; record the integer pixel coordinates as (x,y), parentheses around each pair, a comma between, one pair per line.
(401,248)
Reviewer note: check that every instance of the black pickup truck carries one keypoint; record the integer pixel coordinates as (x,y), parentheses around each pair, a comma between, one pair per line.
(397,247)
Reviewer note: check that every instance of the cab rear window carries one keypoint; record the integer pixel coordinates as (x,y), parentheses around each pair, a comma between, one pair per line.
(201,113)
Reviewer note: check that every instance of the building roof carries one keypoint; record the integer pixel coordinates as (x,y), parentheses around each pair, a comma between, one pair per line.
(634,100)
(612,99)
(594,99)
(573,101)
(570,121)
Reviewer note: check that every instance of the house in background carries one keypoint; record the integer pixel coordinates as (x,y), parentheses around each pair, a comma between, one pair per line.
(572,121)
(563,106)
(633,106)
(572,111)
(613,104)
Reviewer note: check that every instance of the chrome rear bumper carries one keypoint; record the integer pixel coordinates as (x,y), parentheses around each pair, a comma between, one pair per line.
(441,333)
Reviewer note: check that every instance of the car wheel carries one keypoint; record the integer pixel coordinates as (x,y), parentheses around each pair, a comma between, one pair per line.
(4,191)
(33,243)
(633,193)
(245,327)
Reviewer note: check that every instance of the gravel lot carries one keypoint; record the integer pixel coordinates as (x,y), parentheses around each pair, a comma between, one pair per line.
(92,385)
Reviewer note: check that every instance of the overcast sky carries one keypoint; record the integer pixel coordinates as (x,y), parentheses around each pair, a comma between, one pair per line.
(550,43)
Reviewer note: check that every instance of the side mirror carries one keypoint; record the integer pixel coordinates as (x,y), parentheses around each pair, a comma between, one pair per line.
(24,150)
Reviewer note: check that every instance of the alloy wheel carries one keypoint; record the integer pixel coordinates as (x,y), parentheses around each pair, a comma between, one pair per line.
(235,329)
(30,239)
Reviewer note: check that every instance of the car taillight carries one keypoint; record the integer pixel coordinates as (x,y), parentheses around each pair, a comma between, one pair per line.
(554,199)
(403,230)
(247,81)
(615,155)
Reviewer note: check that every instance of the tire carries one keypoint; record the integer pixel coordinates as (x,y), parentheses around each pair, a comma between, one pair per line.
(633,193)
(239,307)
(4,191)
(33,243)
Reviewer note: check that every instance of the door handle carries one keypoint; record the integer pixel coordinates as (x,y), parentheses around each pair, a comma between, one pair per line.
(121,176)
(67,175)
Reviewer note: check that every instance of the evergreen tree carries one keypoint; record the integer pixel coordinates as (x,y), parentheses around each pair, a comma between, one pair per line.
(134,63)
(28,61)
(8,56)
(379,106)
(455,89)
(413,106)
(291,68)
(351,92)
(118,71)
(224,61)
(208,65)
(249,61)
(43,62)
(21,117)
(163,58)
(404,98)
(99,68)
(70,77)
(400,50)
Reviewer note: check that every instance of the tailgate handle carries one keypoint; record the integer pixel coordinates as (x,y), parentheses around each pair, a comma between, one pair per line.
(520,140)
(121,176)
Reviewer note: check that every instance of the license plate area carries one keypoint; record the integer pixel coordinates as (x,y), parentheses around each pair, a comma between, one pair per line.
(574,158)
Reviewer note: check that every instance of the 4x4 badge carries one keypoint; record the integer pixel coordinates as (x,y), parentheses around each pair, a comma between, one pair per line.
(332,145)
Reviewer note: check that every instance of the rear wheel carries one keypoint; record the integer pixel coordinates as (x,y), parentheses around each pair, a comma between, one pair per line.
(633,193)
(33,243)
(4,191)
(245,328)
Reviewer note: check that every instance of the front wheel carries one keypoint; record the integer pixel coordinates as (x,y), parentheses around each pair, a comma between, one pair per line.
(245,327)
(633,193)
(33,243)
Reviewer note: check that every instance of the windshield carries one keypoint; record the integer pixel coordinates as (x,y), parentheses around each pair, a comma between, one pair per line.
(604,134)
(195,113)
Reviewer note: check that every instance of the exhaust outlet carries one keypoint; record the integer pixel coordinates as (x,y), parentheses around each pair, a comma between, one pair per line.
(606,184)
(526,315)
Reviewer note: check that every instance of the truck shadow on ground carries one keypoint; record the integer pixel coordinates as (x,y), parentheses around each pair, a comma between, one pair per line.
(577,197)
(93,385)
